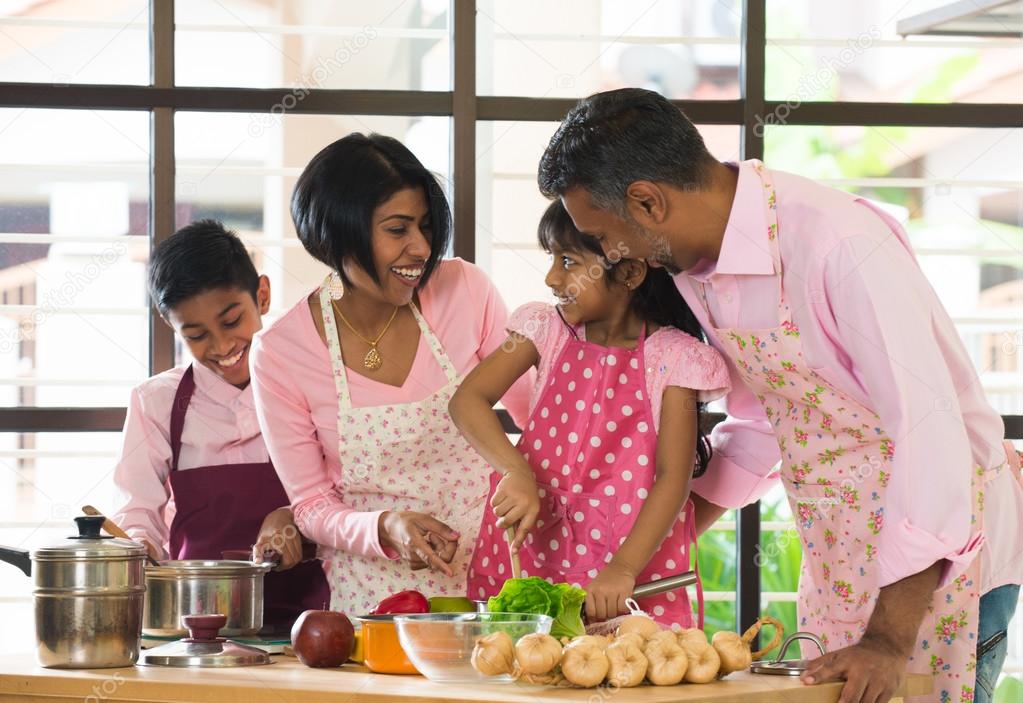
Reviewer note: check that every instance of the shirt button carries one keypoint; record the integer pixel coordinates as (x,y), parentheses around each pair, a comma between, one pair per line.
(728,298)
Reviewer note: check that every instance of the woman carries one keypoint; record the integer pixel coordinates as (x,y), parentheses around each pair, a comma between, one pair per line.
(352,384)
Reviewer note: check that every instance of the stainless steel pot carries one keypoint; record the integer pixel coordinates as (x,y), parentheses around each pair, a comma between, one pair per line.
(88,597)
(194,587)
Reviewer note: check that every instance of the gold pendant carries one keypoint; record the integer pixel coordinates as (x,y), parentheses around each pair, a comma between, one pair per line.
(372,360)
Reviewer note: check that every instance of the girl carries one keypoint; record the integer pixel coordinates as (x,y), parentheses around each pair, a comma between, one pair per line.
(598,485)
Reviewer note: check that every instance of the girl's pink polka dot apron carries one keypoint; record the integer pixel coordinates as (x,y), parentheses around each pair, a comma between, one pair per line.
(592,446)
(401,457)
(836,467)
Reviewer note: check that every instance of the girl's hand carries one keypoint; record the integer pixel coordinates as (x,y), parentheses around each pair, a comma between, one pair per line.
(420,539)
(279,534)
(606,594)
(516,501)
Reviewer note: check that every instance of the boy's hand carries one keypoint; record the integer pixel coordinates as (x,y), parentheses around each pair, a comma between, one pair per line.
(606,594)
(279,534)
(151,550)
(516,502)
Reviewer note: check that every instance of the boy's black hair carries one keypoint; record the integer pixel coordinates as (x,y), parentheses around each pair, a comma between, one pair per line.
(333,202)
(656,300)
(199,257)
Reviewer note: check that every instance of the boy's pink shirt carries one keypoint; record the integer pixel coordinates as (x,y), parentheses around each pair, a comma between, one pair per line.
(221,427)
(872,325)
(298,406)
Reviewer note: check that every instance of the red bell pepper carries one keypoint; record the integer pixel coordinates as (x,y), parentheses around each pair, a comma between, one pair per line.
(403,602)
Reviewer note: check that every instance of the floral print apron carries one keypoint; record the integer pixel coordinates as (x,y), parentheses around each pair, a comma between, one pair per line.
(591,443)
(407,456)
(836,466)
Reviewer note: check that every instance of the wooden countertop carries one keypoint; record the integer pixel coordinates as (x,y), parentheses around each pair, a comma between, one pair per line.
(288,681)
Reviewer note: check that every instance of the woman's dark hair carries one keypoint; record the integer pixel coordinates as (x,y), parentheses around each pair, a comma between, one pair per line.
(199,257)
(333,202)
(613,139)
(656,300)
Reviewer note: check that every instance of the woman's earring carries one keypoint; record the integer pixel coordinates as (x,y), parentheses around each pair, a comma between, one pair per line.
(336,288)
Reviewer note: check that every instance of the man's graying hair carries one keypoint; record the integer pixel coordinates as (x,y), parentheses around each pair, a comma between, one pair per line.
(610,140)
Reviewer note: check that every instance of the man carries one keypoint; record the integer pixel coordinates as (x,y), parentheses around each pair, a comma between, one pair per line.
(845,369)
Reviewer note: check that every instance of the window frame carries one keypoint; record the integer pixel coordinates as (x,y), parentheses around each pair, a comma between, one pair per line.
(162,98)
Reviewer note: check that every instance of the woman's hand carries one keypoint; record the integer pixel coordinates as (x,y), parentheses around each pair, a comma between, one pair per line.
(606,594)
(516,502)
(279,534)
(420,539)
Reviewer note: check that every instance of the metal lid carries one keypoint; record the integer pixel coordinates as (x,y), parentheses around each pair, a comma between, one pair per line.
(90,545)
(787,667)
(203,648)
(217,568)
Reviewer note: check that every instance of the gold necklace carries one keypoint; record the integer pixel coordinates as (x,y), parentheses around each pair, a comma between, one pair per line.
(372,360)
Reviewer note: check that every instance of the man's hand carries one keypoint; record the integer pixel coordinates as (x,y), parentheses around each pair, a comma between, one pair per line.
(872,670)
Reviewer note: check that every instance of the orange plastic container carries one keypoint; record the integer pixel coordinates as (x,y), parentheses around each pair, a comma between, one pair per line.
(381,650)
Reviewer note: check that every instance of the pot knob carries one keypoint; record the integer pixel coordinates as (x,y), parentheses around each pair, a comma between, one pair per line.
(203,628)
(89,527)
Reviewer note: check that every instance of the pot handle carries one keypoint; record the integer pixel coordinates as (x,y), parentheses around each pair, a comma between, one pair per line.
(18,557)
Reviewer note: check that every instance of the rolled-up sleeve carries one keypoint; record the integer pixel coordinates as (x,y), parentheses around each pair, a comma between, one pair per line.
(742,468)
(140,477)
(899,341)
(297,455)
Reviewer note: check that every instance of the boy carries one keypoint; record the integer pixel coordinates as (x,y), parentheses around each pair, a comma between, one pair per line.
(191,434)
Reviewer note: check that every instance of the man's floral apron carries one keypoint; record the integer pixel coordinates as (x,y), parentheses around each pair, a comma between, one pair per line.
(836,466)
(408,456)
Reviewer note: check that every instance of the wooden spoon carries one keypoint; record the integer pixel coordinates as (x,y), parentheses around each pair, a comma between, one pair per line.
(111,527)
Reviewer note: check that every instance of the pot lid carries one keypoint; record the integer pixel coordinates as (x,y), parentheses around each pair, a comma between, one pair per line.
(89,544)
(202,648)
(175,568)
(787,667)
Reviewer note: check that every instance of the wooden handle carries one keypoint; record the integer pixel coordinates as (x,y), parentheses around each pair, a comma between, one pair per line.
(516,568)
(109,525)
(113,529)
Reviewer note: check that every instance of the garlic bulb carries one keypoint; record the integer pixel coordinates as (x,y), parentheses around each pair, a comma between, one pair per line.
(627,665)
(584,664)
(668,662)
(537,653)
(494,654)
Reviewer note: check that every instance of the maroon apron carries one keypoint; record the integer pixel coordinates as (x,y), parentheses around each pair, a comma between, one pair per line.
(222,507)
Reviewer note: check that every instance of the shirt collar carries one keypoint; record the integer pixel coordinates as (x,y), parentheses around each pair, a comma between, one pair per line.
(745,249)
(219,390)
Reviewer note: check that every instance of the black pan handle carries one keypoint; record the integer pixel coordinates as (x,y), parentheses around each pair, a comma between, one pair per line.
(18,557)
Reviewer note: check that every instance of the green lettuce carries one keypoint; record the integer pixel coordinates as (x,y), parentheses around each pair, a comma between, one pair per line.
(562,602)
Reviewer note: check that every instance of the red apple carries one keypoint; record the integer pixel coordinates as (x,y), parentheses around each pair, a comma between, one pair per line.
(322,638)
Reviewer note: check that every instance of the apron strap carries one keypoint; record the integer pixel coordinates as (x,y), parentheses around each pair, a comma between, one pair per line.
(691,538)
(178,409)
(435,346)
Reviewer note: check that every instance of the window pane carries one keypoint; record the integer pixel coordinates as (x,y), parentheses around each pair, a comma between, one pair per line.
(75,42)
(242,168)
(853,51)
(45,479)
(959,193)
(681,49)
(74,218)
(509,205)
(393,44)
